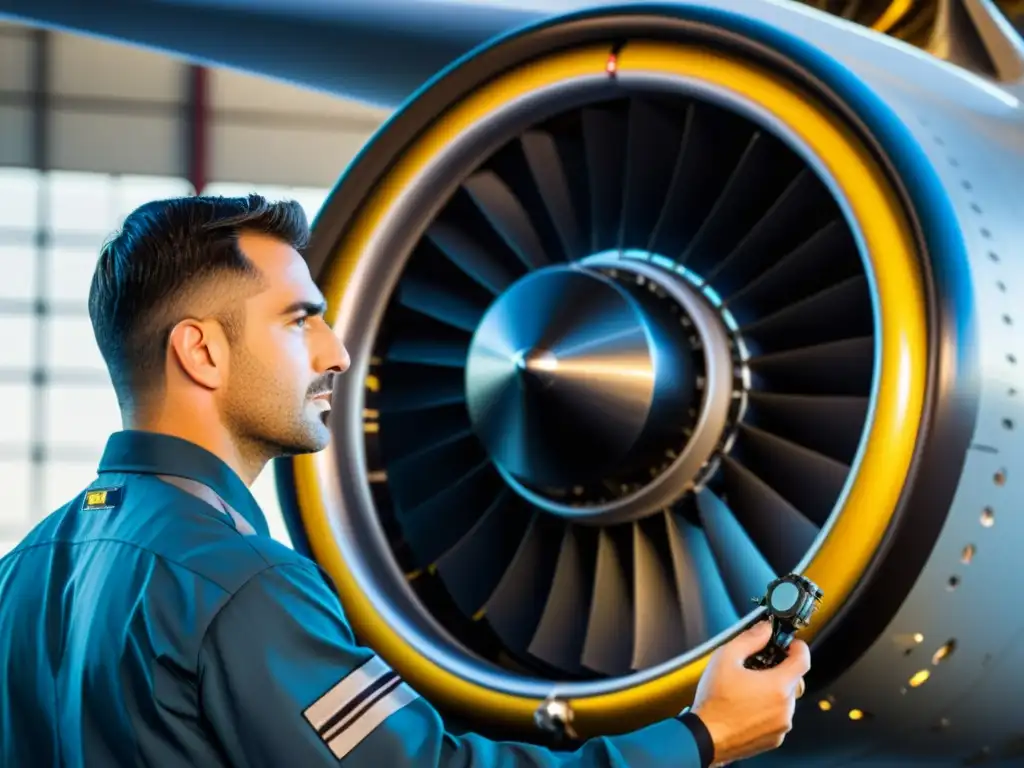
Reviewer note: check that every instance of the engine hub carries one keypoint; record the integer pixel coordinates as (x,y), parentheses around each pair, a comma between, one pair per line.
(588,383)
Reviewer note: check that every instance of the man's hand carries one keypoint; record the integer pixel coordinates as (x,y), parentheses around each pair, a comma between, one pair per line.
(749,711)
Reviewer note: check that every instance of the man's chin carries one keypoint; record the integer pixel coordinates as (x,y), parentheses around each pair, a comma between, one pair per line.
(316,438)
(319,438)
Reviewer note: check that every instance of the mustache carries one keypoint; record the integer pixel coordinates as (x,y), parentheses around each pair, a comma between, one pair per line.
(323,385)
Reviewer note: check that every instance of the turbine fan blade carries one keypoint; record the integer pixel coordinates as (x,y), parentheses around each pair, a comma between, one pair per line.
(824,259)
(471,257)
(404,388)
(780,532)
(840,312)
(515,608)
(713,140)
(810,481)
(439,303)
(798,418)
(434,526)
(655,141)
(744,570)
(508,217)
(562,630)
(417,477)
(703,595)
(758,179)
(604,136)
(422,349)
(836,368)
(609,644)
(657,614)
(423,340)
(413,434)
(549,174)
(472,568)
(802,209)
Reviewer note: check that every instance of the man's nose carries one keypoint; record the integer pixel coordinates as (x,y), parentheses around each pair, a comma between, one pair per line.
(334,356)
(344,360)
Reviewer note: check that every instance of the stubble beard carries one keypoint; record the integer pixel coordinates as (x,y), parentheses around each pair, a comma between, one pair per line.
(262,418)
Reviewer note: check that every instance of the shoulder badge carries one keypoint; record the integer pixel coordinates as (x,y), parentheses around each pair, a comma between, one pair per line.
(102,498)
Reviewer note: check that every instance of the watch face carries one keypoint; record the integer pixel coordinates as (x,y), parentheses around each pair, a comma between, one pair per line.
(784,597)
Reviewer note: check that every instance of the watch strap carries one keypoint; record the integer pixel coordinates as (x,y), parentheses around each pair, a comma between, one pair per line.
(701,735)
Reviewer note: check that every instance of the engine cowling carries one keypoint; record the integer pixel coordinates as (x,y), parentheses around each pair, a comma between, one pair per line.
(646,307)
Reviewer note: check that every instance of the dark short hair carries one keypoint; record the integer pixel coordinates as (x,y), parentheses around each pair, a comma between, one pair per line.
(165,252)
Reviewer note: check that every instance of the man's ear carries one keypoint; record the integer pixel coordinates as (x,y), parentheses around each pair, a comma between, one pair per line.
(200,350)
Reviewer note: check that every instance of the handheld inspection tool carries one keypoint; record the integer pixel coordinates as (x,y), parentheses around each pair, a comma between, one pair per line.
(790,602)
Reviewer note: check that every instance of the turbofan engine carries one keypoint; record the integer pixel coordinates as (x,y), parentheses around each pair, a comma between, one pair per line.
(648,306)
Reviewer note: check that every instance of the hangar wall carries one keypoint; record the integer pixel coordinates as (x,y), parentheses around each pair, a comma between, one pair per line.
(88,130)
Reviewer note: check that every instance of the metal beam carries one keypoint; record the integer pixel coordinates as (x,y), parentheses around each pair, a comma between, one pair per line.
(197,128)
(250,118)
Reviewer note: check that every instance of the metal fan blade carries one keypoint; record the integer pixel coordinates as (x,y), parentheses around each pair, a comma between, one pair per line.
(839,312)
(803,208)
(439,302)
(472,567)
(744,570)
(404,388)
(422,341)
(761,175)
(405,436)
(433,527)
(562,630)
(513,611)
(824,259)
(703,596)
(781,533)
(836,368)
(572,148)
(808,480)
(427,351)
(545,163)
(604,136)
(508,217)
(654,142)
(657,612)
(471,257)
(712,140)
(420,476)
(609,645)
(798,418)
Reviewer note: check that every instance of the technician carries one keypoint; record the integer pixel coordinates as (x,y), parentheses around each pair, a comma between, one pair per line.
(153,621)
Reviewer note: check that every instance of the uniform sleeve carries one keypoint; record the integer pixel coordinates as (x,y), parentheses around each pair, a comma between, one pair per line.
(283,682)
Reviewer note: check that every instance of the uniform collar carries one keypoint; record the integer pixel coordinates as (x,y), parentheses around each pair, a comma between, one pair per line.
(150,453)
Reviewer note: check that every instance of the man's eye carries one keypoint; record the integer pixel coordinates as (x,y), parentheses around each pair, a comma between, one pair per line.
(301,321)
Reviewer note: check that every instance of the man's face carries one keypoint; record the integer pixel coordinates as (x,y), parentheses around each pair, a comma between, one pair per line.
(282,369)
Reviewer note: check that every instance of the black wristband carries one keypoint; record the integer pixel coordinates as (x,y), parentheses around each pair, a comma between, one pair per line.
(705,746)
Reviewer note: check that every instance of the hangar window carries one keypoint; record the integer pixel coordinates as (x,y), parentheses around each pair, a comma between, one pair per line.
(56,404)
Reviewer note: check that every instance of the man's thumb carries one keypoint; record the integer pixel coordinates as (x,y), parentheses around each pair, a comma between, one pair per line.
(751,640)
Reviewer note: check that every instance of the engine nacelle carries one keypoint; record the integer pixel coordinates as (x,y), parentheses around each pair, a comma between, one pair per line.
(648,305)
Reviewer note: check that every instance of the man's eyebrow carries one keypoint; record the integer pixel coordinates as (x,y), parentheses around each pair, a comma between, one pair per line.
(306,307)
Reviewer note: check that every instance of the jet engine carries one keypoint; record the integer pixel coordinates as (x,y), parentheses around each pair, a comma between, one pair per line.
(649,305)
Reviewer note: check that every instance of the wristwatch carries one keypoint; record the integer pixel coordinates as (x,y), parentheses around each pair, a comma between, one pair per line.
(701,735)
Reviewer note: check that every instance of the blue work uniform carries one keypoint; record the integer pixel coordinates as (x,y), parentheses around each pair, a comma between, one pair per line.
(154,621)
